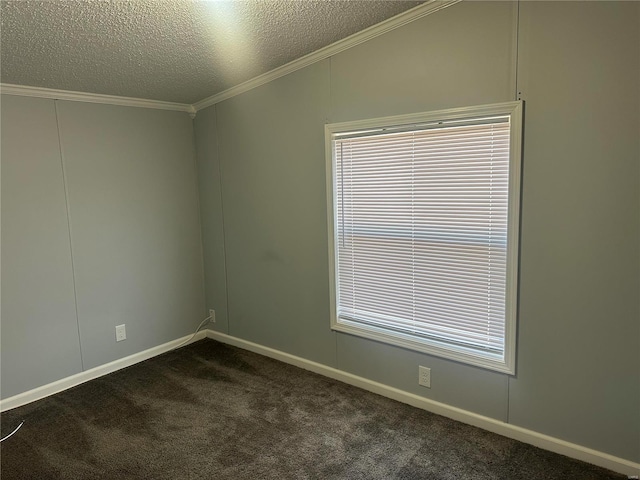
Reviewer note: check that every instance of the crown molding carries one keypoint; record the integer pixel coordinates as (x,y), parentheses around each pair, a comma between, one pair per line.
(26,91)
(427,8)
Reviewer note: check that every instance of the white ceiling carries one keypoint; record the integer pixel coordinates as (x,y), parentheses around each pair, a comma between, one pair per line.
(171,50)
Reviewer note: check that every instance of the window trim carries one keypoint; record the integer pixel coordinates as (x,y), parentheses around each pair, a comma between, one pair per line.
(514,110)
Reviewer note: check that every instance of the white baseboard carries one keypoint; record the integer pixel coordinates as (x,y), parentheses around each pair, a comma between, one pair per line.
(82,377)
(531,437)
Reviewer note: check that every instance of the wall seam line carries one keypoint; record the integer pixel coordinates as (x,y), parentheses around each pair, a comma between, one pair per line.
(329,120)
(517,59)
(197,186)
(516,97)
(224,230)
(68,212)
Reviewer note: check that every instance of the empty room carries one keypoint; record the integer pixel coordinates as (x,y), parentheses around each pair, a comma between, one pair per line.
(320,239)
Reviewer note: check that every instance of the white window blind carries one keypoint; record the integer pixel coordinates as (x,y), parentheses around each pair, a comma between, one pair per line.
(421,225)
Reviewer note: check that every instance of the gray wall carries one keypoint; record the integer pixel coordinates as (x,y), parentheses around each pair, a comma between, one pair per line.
(131,237)
(39,328)
(261,155)
(579,339)
(273,197)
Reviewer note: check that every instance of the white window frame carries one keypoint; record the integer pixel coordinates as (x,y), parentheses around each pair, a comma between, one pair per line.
(504,363)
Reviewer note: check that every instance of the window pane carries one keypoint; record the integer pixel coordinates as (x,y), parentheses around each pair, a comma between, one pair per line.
(421,226)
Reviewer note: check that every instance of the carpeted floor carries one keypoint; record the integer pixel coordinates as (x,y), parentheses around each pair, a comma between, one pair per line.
(210,411)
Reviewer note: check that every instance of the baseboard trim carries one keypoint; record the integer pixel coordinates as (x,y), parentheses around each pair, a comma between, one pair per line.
(82,377)
(531,437)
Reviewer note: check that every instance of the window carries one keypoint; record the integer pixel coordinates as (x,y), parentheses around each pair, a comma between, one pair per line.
(423,231)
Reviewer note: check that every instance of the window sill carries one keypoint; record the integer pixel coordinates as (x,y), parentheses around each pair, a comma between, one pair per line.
(431,347)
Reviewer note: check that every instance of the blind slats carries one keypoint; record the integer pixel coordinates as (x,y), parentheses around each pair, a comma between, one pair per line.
(421,232)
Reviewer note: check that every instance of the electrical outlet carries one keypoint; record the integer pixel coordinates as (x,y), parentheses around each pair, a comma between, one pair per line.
(212,316)
(121,333)
(424,376)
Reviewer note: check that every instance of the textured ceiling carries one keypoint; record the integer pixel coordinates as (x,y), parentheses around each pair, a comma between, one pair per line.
(172,50)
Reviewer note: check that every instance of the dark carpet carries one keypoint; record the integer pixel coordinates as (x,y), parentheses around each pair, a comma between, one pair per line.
(211,411)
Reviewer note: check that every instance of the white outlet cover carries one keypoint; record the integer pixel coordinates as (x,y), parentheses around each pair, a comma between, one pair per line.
(121,333)
(424,376)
